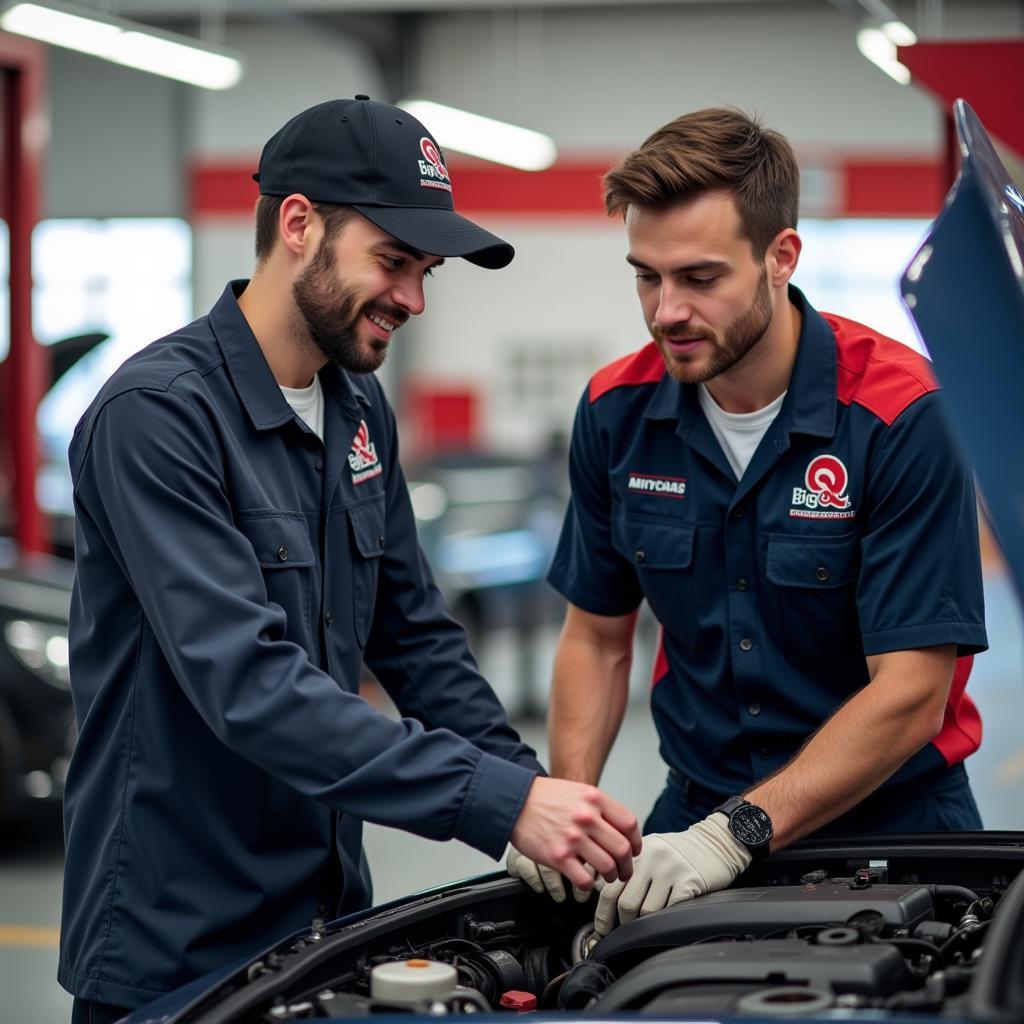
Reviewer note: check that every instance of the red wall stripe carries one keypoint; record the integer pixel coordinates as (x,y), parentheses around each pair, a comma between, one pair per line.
(871,187)
(892,188)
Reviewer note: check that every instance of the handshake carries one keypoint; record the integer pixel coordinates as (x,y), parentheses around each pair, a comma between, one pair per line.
(582,834)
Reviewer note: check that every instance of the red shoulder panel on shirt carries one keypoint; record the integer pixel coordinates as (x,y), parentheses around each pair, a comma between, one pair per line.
(879,373)
(644,367)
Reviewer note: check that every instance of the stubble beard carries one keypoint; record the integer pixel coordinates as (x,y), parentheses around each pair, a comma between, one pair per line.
(740,338)
(331,315)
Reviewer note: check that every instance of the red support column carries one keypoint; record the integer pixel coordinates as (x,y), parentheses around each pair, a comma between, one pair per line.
(23,374)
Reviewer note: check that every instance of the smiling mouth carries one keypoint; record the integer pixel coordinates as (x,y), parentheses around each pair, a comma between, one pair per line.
(386,325)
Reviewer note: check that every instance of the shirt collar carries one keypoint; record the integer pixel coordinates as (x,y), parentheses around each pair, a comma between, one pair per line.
(810,405)
(259,391)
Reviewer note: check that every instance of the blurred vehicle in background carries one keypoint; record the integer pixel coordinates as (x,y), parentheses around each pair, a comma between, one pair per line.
(489,526)
(37,726)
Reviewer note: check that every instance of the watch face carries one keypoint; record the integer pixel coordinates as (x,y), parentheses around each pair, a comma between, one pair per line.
(751,826)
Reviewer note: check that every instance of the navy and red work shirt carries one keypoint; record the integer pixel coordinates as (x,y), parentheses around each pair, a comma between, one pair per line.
(233,574)
(853,532)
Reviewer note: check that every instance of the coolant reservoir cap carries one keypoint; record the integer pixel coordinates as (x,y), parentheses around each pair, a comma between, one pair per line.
(410,981)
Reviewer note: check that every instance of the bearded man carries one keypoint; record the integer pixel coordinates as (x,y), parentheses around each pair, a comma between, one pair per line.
(780,486)
(245,541)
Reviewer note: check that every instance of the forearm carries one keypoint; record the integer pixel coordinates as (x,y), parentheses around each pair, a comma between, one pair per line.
(856,750)
(589,690)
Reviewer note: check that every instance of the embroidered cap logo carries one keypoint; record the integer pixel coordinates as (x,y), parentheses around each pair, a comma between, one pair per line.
(433,157)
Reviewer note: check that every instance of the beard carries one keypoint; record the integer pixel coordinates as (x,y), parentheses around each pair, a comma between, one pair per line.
(332,314)
(740,337)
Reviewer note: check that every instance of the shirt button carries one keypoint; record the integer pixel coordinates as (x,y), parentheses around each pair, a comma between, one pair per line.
(742,584)
(329,619)
(319,465)
(822,573)
(754,709)
(380,542)
(640,558)
(746,644)
(282,554)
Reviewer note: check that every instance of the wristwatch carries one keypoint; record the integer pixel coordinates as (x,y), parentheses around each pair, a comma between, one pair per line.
(749,824)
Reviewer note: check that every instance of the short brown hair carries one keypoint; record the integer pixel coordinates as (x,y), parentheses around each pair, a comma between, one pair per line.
(267,208)
(719,149)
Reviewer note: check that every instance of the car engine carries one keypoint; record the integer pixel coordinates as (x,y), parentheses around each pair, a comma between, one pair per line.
(878,935)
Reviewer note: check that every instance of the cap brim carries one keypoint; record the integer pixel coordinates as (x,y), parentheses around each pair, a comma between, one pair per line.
(440,232)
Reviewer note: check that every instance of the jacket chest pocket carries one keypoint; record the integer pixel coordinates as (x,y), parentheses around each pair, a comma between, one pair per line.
(282,545)
(366,523)
(661,551)
(811,600)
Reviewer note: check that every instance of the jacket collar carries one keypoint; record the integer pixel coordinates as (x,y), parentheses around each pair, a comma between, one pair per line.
(258,390)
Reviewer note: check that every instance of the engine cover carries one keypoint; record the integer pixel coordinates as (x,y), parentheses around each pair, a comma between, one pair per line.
(761,912)
(712,977)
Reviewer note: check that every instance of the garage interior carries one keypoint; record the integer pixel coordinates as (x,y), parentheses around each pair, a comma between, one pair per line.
(127,202)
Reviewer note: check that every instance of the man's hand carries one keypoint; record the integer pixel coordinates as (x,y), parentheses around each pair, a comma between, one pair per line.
(541,879)
(673,867)
(567,826)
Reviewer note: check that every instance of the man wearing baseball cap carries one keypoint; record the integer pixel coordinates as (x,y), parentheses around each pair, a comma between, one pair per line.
(244,543)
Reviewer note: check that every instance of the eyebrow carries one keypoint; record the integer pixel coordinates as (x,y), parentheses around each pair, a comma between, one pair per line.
(686,268)
(409,251)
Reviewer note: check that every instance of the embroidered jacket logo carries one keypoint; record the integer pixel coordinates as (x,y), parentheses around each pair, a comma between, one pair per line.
(661,486)
(433,173)
(363,460)
(823,495)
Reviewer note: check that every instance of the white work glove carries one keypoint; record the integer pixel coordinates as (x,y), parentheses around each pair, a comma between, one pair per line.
(672,867)
(540,878)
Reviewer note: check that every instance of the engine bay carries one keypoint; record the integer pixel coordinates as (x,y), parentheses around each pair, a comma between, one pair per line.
(937,930)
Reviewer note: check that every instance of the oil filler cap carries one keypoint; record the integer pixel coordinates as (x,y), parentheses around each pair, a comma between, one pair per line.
(518,1002)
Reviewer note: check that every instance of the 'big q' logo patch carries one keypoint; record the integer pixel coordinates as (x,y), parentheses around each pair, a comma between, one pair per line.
(433,173)
(823,495)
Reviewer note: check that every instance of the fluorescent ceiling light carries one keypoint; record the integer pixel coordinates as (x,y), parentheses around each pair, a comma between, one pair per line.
(484,137)
(124,42)
(878,44)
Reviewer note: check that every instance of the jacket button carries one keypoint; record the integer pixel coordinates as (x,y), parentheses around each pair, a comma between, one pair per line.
(742,583)
(640,558)
(737,512)
(282,554)
(754,709)
(319,466)
(746,644)
(822,573)
(380,542)
(329,619)
(765,754)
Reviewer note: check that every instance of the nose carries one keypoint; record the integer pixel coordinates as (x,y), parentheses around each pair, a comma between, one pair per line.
(408,294)
(672,308)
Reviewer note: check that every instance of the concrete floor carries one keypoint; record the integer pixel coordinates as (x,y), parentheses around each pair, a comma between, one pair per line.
(31,859)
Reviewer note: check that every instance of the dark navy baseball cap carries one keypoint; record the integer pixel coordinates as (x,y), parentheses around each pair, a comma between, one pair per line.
(381,161)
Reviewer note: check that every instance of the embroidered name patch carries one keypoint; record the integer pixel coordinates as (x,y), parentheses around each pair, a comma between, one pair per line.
(661,486)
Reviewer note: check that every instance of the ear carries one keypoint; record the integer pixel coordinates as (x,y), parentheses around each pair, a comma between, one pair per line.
(782,256)
(298,226)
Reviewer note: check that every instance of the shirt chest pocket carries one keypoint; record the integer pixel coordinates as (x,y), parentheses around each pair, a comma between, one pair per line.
(661,551)
(366,523)
(811,599)
(284,551)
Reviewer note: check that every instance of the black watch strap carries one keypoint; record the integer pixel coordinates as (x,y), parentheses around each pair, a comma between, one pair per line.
(749,824)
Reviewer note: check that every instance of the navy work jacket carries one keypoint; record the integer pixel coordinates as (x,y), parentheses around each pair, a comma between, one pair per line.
(233,573)
(852,532)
